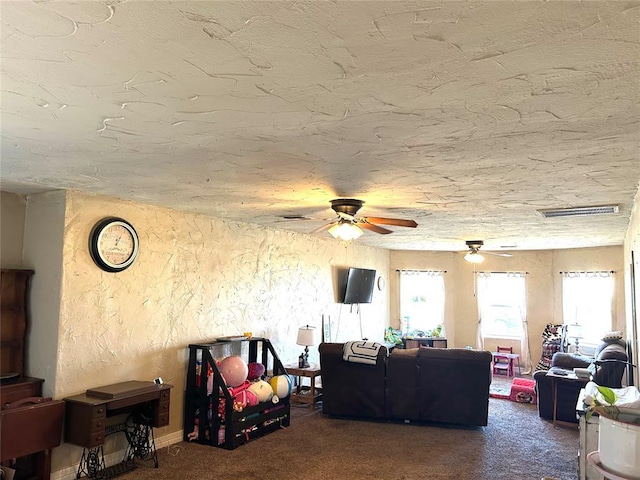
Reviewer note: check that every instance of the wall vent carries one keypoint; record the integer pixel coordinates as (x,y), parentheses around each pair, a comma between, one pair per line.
(575,211)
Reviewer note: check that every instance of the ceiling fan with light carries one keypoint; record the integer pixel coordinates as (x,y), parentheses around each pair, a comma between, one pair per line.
(349,227)
(474,256)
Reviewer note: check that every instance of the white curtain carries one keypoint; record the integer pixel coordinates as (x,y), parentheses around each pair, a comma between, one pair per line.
(421,300)
(587,300)
(505,290)
(482,286)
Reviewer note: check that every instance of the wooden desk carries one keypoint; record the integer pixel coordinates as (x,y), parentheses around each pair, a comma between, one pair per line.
(86,415)
(30,426)
(306,394)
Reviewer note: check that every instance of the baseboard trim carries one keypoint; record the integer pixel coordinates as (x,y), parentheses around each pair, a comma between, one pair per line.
(69,473)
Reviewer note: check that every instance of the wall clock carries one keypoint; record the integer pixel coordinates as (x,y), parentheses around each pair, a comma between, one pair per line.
(381,283)
(113,244)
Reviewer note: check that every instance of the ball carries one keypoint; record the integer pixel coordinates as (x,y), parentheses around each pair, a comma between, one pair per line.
(234,370)
(262,389)
(281,385)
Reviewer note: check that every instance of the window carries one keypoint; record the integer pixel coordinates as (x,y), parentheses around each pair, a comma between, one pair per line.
(421,300)
(502,304)
(587,300)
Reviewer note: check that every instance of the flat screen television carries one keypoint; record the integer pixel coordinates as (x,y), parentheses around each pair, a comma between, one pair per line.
(359,287)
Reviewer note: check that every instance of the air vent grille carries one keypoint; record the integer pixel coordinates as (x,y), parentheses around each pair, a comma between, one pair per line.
(576,211)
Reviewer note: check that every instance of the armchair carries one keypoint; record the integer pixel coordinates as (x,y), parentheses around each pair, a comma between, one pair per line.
(606,369)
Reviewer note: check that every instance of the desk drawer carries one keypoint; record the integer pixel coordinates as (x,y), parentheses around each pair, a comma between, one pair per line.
(78,417)
(161,414)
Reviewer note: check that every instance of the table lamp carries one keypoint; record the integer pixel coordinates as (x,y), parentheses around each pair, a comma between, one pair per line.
(306,338)
(576,332)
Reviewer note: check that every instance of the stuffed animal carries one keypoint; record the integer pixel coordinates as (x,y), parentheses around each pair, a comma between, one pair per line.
(262,389)
(256,370)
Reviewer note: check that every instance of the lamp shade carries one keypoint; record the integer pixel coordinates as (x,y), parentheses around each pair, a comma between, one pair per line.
(306,336)
(575,331)
(474,257)
(345,231)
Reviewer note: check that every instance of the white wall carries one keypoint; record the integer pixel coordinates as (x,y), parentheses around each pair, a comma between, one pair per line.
(43,241)
(195,278)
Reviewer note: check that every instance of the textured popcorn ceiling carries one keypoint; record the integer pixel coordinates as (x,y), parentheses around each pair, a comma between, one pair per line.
(466,117)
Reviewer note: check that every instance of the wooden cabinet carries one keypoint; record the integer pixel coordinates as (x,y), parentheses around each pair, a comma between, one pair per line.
(30,425)
(13,321)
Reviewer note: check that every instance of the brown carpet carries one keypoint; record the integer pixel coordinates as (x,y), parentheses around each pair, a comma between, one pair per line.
(516,444)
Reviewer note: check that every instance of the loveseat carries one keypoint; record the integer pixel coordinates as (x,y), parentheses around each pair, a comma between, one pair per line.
(420,384)
(606,367)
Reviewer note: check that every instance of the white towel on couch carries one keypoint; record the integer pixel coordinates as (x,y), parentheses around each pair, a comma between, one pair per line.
(361,351)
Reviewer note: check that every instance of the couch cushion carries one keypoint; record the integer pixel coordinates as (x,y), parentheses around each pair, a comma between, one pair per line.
(453,385)
(402,384)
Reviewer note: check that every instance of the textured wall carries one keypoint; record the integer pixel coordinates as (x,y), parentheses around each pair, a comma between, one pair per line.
(12,213)
(544,301)
(43,249)
(195,278)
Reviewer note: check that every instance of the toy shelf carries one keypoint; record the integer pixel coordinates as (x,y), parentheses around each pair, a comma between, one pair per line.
(206,392)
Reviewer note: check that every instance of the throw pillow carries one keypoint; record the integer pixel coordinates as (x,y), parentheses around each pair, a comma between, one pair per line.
(612,336)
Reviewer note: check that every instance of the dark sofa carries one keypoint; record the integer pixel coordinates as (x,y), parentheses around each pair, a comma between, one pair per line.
(420,384)
(607,368)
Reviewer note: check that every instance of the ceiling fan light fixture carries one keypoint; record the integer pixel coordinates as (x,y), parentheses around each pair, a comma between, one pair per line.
(474,257)
(345,231)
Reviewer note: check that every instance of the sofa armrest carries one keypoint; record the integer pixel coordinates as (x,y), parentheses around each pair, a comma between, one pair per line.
(567,393)
(352,389)
(569,361)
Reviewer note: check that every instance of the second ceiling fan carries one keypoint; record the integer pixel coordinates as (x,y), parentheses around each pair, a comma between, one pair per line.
(474,256)
(348,227)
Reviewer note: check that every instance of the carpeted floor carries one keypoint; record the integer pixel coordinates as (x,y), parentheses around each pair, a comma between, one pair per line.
(516,444)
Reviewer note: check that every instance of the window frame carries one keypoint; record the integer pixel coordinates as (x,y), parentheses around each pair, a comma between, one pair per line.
(408,326)
(520,305)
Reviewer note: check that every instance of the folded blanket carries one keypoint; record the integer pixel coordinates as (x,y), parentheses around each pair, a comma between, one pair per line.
(361,352)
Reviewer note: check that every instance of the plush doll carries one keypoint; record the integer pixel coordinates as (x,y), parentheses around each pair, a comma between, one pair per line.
(196,429)
(262,389)
(256,370)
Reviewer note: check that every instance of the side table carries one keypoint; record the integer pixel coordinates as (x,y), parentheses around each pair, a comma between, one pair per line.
(565,375)
(303,393)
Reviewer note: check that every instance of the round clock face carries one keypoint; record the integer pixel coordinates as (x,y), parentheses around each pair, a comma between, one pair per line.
(113,244)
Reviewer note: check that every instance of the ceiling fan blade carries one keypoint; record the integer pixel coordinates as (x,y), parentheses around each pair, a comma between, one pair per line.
(497,254)
(374,228)
(324,228)
(392,221)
